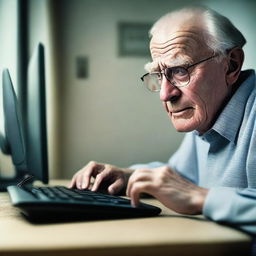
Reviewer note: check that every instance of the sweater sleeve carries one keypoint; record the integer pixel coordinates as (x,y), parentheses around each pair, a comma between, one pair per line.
(233,206)
(183,161)
(147,165)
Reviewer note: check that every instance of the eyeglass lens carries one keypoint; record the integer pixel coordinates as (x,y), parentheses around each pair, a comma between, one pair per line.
(177,76)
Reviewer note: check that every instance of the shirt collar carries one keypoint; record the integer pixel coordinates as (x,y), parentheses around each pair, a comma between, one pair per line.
(229,120)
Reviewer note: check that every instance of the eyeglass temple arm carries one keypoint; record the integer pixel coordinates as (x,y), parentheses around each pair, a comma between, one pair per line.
(197,63)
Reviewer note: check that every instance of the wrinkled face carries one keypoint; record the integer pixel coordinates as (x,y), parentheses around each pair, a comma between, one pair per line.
(195,106)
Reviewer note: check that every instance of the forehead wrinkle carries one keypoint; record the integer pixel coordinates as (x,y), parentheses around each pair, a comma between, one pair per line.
(169,49)
(185,34)
(172,50)
(187,40)
(179,40)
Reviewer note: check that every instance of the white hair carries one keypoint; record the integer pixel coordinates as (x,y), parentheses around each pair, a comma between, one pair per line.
(219,33)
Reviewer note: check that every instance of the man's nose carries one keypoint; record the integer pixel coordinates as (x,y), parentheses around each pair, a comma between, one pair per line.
(168,91)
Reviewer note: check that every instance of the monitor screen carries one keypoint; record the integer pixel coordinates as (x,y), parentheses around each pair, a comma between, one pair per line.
(36,133)
(13,141)
(28,149)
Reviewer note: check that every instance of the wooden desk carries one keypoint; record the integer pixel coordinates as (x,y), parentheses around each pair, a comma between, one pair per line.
(168,234)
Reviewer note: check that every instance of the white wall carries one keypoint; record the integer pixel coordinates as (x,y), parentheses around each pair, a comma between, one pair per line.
(109,117)
(8,59)
(41,28)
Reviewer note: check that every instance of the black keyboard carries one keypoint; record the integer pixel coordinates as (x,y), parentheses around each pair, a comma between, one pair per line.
(40,204)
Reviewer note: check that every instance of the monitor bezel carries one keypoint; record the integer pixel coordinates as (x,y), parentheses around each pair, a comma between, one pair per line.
(37,155)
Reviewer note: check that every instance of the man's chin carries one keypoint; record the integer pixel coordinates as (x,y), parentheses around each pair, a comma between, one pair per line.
(183,125)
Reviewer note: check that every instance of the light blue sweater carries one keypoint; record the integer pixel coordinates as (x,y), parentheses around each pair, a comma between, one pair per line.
(224,160)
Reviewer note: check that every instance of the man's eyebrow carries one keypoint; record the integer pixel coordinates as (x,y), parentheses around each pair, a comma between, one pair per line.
(178,61)
(152,67)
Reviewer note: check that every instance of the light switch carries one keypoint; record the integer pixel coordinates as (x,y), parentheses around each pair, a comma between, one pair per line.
(82,66)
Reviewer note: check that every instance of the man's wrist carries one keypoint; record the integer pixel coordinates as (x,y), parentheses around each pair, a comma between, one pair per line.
(198,200)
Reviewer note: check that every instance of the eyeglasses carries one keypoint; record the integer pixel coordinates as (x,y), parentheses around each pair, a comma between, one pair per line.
(178,76)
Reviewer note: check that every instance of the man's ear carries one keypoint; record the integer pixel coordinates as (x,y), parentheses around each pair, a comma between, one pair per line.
(235,61)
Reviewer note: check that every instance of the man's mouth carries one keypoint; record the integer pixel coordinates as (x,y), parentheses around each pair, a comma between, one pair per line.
(181,110)
(177,112)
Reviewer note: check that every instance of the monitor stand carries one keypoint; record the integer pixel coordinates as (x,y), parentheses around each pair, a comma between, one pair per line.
(19,175)
(5,182)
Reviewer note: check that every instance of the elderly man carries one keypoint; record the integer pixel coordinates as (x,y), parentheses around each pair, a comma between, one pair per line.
(196,66)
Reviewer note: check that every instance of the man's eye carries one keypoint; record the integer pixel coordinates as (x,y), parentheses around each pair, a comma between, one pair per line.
(157,75)
(179,71)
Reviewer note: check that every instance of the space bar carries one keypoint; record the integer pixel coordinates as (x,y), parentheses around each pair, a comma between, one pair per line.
(82,198)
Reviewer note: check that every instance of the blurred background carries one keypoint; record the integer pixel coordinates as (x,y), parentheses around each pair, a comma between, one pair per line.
(95,54)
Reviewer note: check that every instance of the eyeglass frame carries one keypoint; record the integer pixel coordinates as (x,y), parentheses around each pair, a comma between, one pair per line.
(162,72)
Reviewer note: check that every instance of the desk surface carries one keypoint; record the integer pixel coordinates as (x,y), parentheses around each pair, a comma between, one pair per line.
(167,234)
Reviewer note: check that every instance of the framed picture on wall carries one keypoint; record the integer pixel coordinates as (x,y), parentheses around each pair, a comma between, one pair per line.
(133,39)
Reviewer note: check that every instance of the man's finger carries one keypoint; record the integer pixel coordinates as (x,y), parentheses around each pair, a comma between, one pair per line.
(135,191)
(116,186)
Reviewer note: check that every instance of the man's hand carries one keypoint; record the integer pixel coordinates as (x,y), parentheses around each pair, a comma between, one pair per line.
(105,176)
(169,188)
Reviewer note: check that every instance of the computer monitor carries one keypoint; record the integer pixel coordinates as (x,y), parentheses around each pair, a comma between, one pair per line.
(12,142)
(36,128)
(28,149)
